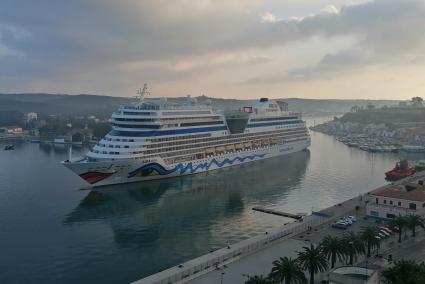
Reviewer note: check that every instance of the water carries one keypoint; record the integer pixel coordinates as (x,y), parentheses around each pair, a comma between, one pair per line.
(53,232)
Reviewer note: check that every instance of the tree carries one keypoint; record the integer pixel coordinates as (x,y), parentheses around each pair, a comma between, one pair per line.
(101,129)
(333,249)
(400,223)
(405,272)
(286,270)
(413,221)
(355,109)
(354,246)
(258,280)
(313,260)
(368,235)
(417,101)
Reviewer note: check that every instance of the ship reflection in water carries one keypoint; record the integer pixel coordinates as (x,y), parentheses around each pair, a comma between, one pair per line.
(155,217)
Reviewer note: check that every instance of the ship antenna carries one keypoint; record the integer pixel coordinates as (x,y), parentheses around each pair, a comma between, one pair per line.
(143,92)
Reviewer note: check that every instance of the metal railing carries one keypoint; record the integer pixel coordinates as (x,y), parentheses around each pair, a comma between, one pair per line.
(214,260)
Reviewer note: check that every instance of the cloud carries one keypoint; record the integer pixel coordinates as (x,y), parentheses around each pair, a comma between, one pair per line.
(268,17)
(10,34)
(387,32)
(77,41)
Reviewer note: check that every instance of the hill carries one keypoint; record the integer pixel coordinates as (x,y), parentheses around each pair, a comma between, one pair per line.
(103,106)
(388,116)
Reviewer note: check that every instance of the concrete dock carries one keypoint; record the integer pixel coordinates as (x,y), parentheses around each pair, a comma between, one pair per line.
(278,213)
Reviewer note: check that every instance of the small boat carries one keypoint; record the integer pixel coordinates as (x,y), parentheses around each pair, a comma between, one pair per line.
(365,147)
(9,147)
(420,166)
(401,170)
(413,148)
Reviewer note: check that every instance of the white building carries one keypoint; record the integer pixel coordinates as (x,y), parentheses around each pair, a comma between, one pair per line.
(31,116)
(392,200)
(11,129)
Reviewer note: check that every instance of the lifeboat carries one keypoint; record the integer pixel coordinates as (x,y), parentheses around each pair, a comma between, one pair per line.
(401,170)
(239,146)
(230,147)
(247,144)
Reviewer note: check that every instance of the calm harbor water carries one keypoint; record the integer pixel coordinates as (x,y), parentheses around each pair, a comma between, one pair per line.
(53,232)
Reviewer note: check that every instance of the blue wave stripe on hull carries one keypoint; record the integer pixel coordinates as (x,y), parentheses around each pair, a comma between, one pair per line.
(149,168)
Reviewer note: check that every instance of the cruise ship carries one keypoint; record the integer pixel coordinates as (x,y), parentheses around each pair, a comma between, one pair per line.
(155,138)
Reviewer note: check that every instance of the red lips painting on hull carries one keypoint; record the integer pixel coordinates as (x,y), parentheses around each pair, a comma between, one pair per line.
(94,177)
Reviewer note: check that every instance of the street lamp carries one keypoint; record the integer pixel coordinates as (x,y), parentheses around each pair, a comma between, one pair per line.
(222,272)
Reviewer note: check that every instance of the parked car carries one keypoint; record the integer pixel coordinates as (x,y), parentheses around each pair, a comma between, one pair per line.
(382,235)
(352,218)
(386,229)
(347,221)
(338,225)
(395,229)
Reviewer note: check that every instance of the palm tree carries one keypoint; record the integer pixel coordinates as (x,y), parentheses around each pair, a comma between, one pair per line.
(333,248)
(412,221)
(313,260)
(368,235)
(400,223)
(286,270)
(405,272)
(258,280)
(354,246)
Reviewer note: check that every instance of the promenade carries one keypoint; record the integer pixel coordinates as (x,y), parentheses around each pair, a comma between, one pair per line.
(254,256)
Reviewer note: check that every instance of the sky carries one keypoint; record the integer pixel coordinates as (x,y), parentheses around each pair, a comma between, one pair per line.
(241,49)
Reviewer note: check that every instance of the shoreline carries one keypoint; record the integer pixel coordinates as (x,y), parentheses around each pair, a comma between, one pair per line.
(216,261)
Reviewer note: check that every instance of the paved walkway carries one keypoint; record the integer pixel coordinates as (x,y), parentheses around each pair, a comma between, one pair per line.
(261,262)
(254,264)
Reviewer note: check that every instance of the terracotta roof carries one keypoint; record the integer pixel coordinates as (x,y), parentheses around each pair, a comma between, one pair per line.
(414,192)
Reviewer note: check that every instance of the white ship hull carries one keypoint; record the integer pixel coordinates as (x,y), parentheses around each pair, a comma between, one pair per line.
(131,170)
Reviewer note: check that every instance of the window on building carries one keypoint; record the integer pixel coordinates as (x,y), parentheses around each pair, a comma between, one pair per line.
(385,201)
(390,216)
(399,203)
(412,206)
(374,213)
(391,202)
(376,200)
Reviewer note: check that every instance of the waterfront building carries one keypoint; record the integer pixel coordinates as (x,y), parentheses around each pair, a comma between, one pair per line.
(395,200)
(31,116)
(17,130)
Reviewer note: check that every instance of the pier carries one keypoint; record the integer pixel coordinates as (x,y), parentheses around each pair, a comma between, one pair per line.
(278,213)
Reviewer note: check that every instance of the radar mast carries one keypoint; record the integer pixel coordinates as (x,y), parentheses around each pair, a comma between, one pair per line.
(141,93)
